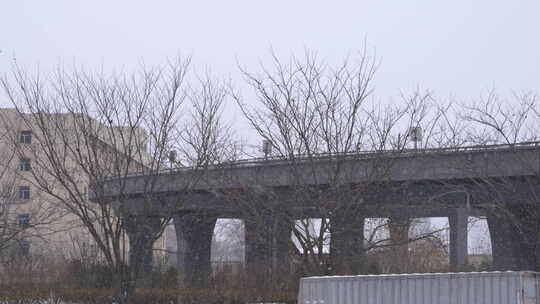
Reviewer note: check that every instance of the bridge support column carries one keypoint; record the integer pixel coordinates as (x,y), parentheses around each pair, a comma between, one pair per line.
(267,247)
(458,222)
(502,243)
(514,236)
(347,244)
(398,228)
(194,237)
(142,232)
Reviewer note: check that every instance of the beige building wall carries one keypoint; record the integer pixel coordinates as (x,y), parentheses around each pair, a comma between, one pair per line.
(52,228)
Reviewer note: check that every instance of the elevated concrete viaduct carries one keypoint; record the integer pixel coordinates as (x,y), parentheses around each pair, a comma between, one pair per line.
(500,182)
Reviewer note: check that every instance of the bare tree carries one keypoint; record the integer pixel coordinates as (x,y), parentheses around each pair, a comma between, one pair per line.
(313,113)
(9,228)
(228,242)
(511,204)
(88,127)
(204,138)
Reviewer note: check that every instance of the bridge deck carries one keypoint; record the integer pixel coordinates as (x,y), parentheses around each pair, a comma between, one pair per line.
(461,163)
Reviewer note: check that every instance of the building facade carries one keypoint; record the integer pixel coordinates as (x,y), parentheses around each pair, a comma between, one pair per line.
(43,171)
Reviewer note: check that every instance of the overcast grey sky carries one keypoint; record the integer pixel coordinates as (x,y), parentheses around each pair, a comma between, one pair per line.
(460,47)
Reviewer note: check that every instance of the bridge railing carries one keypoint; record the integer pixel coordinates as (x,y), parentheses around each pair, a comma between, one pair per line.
(277,160)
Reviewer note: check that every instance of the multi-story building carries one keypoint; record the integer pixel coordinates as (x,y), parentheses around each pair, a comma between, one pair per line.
(42,167)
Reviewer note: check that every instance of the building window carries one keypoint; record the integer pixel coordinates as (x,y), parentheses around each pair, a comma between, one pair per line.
(24,247)
(25,137)
(24,220)
(24,192)
(24,164)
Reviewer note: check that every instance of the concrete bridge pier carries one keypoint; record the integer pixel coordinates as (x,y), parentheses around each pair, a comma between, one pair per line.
(267,247)
(142,231)
(458,222)
(347,244)
(502,243)
(194,238)
(514,234)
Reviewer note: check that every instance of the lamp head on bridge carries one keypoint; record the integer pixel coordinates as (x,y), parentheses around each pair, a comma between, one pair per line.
(172,157)
(266,147)
(415,134)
